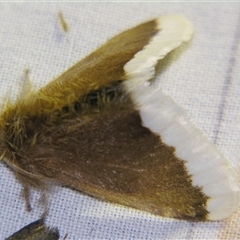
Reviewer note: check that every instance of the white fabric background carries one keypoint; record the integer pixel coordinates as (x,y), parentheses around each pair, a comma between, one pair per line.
(204,79)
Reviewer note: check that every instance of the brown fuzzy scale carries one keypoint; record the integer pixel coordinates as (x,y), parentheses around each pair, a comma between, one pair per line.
(83,131)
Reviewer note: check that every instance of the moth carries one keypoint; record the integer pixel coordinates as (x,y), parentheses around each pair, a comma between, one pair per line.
(103,128)
(35,231)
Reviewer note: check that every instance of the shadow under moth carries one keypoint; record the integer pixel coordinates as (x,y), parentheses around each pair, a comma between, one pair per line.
(103,128)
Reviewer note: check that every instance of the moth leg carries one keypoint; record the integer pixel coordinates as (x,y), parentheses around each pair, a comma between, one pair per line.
(45,201)
(26,194)
(28,184)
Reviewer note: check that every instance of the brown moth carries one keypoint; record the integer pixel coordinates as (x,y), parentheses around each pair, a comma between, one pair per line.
(35,231)
(103,128)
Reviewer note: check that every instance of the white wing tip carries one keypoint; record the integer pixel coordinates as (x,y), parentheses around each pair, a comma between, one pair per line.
(180,22)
